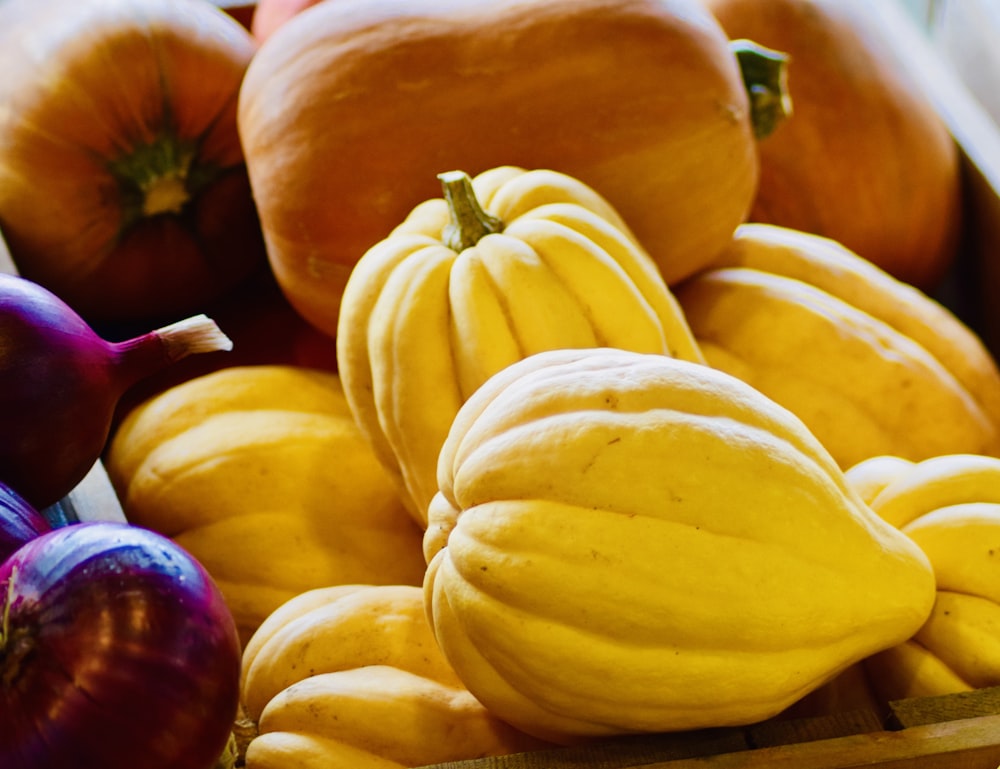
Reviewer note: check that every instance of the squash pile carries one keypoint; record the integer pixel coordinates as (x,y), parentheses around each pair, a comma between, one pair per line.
(643,418)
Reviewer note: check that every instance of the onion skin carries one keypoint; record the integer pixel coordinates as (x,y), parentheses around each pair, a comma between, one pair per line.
(118,653)
(19,521)
(59,385)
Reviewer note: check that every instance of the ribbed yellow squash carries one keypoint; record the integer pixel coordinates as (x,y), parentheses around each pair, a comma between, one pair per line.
(871,365)
(505,265)
(630,542)
(261,473)
(350,677)
(950,506)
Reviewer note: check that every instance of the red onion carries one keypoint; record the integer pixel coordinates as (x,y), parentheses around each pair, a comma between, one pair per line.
(60,382)
(19,521)
(117,652)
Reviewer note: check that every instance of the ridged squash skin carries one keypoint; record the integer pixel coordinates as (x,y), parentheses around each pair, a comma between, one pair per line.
(950,507)
(423,323)
(351,108)
(872,365)
(628,542)
(867,159)
(262,475)
(350,677)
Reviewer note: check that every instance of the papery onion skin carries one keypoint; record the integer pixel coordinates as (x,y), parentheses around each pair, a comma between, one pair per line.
(59,384)
(119,653)
(20,522)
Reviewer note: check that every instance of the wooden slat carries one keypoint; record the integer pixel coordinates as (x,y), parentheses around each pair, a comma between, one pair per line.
(965,744)
(780,731)
(642,750)
(952,707)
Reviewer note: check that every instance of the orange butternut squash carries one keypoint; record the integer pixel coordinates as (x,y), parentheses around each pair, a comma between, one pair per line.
(350,110)
(122,183)
(866,159)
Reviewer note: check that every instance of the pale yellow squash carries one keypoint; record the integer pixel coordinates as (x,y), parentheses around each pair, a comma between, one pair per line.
(513,262)
(262,474)
(350,677)
(870,364)
(627,542)
(950,506)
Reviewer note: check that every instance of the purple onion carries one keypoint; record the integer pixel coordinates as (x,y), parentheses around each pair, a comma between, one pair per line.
(19,521)
(60,383)
(117,652)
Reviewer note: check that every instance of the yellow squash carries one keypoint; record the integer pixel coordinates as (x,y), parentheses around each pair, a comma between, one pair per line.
(629,542)
(350,677)
(261,473)
(511,263)
(870,364)
(950,506)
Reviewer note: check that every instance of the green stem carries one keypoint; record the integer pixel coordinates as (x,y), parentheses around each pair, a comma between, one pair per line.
(765,75)
(469,222)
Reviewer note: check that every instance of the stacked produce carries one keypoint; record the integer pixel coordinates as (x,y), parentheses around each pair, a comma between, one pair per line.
(640,416)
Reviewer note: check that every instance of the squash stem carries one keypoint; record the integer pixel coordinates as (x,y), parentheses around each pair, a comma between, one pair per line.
(229,757)
(159,178)
(469,222)
(765,75)
(244,732)
(5,619)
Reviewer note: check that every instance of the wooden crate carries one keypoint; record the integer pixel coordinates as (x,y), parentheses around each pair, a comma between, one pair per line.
(959,731)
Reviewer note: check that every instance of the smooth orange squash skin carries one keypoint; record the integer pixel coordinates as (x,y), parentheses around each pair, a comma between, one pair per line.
(350,110)
(865,159)
(100,99)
